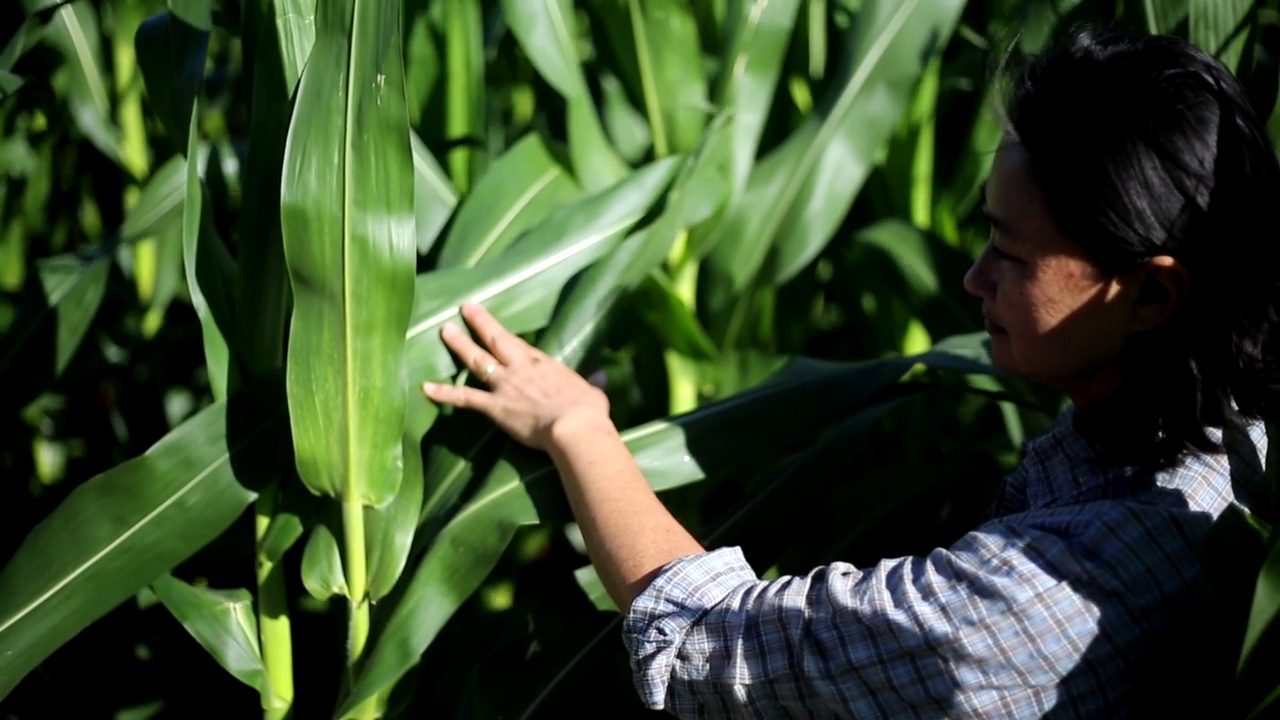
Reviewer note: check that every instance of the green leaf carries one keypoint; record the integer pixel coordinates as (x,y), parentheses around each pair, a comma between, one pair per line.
(668,63)
(296,24)
(798,195)
(520,189)
(1217,27)
(1164,16)
(262,280)
(209,272)
(25,38)
(196,13)
(593,587)
(348,224)
(433,196)
(222,621)
(389,529)
(285,530)
(521,286)
(523,489)
(63,302)
(1266,602)
(547,32)
(595,161)
(10,84)
(73,30)
(696,192)
(322,573)
(171,56)
(752,64)
(671,320)
(71,287)
(123,528)
(160,202)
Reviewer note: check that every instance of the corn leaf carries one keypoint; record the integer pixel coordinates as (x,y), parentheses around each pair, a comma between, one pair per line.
(1164,16)
(295,22)
(520,189)
(520,287)
(389,530)
(433,196)
(348,226)
(222,621)
(547,33)
(797,195)
(523,488)
(73,30)
(1218,27)
(171,55)
(752,64)
(322,573)
(122,529)
(62,304)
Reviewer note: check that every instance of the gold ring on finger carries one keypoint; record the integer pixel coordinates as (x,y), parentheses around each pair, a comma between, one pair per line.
(489,370)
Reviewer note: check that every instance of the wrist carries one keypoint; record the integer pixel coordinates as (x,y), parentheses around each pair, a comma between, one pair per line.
(575,428)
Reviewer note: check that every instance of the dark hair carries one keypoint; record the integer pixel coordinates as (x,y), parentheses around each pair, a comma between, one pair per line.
(1146,146)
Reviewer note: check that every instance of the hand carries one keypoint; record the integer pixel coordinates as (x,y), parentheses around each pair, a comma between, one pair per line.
(530,392)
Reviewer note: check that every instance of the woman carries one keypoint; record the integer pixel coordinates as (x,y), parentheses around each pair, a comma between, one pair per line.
(1131,264)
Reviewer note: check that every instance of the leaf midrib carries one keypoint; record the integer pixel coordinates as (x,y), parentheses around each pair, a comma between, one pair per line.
(509,217)
(506,282)
(132,530)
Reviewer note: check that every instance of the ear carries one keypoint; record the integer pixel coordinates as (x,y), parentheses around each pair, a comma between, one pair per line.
(1164,285)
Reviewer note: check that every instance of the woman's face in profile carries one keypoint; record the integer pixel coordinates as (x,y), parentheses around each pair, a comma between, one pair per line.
(1053,315)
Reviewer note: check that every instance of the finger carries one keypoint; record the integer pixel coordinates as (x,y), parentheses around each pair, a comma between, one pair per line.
(476,359)
(467,398)
(505,346)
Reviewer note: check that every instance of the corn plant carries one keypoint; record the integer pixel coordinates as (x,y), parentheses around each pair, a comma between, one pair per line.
(750,214)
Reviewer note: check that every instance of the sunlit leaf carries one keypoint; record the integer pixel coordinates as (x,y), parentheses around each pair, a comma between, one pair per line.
(521,286)
(520,189)
(797,196)
(348,225)
(523,489)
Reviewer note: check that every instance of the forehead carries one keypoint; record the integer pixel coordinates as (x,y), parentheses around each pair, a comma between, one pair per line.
(1014,199)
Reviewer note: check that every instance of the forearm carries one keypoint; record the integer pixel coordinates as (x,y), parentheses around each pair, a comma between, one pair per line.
(629,534)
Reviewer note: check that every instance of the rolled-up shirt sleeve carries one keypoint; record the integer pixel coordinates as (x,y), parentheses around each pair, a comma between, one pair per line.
(988,627)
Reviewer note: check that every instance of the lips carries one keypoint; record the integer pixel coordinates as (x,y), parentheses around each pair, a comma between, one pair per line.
(992,326)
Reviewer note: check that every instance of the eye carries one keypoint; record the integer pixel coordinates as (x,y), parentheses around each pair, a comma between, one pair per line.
(1001,254)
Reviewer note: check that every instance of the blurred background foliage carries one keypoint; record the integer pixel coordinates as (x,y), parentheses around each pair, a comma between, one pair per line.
(874,272)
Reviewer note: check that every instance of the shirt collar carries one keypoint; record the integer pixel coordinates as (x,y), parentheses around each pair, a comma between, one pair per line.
(1062,466)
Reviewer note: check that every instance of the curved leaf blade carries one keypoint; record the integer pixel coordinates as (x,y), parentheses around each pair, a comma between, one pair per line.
(389,530)
(797,196)
(520,287)
(348,225)
(546,31)
(520,189)
(322,573)
(73,29)
(133,523)
(433,195)
(672,452)
(755,54)
(222,621)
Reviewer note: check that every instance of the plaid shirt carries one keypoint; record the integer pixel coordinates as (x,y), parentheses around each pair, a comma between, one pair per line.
(1060,601)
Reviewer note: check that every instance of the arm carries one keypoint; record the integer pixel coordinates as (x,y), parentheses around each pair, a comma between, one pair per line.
(541,403)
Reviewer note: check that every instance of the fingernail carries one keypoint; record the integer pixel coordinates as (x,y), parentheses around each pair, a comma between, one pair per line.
(430,388)
(449,329)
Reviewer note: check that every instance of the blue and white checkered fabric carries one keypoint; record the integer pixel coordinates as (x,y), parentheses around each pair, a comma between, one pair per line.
(1058,601)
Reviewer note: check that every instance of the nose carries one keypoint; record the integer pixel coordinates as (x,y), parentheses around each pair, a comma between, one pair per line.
(977,281)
